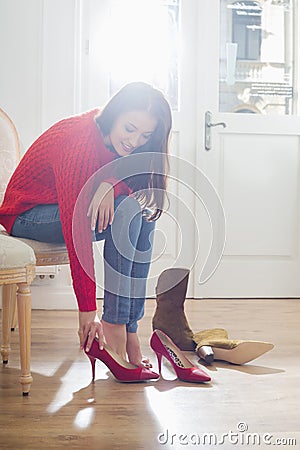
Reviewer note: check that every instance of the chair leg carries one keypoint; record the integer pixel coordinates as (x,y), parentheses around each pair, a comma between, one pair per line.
(7,292)
(24,317)
(14,314)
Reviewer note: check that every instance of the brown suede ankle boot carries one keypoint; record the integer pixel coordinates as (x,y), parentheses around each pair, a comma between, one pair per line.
(169,316)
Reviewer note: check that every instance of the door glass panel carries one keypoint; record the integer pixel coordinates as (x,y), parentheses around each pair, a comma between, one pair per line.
(257,70)
(143,41)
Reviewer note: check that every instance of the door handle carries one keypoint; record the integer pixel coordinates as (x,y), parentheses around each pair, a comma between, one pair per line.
(208,126)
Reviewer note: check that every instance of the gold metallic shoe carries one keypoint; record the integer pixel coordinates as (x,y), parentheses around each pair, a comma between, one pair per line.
(230,350)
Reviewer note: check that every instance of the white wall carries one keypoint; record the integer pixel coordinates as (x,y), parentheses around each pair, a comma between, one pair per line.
(20,57)
(37,55)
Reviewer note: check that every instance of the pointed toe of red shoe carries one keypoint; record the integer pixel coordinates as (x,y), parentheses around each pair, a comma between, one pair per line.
(136,375)
(197,375)
(193,375)
(147,374)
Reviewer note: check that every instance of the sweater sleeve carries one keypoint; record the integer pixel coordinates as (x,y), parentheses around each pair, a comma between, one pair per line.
(77,177)
(73,161)
(73,201)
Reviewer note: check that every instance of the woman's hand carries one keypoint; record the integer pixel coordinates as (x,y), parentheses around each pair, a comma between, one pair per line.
(90,326)
(102,207)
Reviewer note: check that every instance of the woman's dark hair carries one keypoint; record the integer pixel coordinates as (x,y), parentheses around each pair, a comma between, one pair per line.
(150,186)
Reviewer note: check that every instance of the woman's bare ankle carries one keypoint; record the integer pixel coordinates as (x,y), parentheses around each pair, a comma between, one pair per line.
(116,337)
(133,349)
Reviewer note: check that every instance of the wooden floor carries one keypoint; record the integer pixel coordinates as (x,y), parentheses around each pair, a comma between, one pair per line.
(257,401)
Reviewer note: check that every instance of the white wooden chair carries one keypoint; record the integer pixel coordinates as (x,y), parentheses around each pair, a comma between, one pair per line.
(18,258)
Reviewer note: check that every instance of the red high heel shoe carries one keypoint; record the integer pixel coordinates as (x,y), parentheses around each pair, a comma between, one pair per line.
(185,370)
(122,370)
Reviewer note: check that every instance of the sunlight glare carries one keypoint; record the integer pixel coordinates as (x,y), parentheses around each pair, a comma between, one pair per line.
(162,404)
(84,418)
(138,41)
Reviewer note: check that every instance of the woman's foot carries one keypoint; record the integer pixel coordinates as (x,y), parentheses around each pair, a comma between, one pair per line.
(134,353)
(124,344)
(115,336)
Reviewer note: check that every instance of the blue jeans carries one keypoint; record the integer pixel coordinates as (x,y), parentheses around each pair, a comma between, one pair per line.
(127,255)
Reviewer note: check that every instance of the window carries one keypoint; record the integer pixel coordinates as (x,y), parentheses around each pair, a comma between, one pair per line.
(257,68)
(246,29)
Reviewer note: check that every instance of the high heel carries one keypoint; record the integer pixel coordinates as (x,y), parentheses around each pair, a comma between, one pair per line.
(206,353)
(93,364)
(122,370)
(162,345)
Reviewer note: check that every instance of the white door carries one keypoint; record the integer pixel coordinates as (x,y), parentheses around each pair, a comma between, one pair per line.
(246,62)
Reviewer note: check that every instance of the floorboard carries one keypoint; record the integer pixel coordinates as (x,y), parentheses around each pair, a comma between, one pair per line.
(257,402)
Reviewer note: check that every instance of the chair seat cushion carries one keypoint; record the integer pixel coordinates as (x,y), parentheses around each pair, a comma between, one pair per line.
(44,247)
(14,253)
(46,254)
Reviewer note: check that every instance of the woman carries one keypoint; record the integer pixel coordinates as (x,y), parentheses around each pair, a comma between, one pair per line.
(55,194)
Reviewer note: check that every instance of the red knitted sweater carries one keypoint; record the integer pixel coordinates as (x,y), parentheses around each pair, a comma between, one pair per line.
(54,170)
